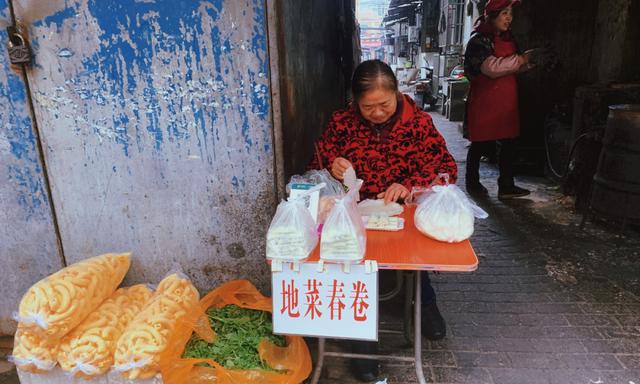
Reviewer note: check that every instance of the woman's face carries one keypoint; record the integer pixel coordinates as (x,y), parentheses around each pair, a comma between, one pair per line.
(378,105)
(503,21)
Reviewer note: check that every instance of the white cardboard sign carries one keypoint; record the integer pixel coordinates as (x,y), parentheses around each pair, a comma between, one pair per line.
(331,304)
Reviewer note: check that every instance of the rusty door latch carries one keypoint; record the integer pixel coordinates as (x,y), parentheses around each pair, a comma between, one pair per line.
(18,48)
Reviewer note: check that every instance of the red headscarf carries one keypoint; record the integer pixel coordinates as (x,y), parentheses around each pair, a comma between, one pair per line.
(483,25)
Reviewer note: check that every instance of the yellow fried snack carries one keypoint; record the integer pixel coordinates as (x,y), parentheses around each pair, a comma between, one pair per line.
(138,350)
(55,305)
(32,353)
(88,350)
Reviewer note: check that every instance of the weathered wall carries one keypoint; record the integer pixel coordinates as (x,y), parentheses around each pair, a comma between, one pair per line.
(617,32)
(315,61)
(630,70)
(568,29)
(155,119)
(28,250)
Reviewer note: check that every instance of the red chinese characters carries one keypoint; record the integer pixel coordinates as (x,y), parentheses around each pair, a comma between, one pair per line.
(360,295)
(289,299)
(336,305)
(313,299)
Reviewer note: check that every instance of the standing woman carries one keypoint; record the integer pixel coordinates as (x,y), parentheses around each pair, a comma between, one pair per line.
(491,62)
(393,146)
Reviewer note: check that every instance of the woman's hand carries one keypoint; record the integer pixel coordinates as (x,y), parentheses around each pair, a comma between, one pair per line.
(393,193)
(526,62)
(339,166)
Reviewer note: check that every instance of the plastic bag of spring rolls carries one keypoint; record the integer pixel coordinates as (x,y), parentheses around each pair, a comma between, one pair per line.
(292,235)
(55,305)
(88,350)
(343,236)
(290,363)
(445,213)
(145,337)
(32,352)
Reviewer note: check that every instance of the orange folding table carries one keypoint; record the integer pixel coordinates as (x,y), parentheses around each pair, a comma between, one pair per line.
(406,250)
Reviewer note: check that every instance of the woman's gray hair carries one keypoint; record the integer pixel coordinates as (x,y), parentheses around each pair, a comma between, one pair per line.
(370,75)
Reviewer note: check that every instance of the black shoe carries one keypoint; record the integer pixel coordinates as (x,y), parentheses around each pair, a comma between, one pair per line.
(476,189)
(512,192)
(433,325)
(364,369)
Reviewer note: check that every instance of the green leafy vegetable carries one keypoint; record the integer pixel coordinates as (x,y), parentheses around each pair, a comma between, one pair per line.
(239,331)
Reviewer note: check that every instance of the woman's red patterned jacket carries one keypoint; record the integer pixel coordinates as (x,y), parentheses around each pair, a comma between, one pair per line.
(412,152)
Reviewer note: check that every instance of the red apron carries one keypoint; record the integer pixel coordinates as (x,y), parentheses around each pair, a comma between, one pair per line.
(492,112)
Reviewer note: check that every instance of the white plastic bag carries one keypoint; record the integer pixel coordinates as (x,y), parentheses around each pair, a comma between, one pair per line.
(316,177)
(343,236)
(88,350)
(144,339)
(33,352)
(55,305)
(445,213)
(292,235)
(332,189)
(351,181)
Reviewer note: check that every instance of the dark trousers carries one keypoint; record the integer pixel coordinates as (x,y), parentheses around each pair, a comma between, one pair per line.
(428,295)
(506,158)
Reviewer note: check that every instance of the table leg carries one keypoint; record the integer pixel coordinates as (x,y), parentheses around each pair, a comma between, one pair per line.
(318,370)
(417,322)
(408,310)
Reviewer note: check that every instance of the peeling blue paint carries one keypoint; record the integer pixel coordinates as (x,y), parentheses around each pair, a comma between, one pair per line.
(25,178)
(246,135)
(175,18)
(171,70)
(217,49)
(57,18)
(31,191)
(133,35)
(237,182)
(120,124)
(259,96)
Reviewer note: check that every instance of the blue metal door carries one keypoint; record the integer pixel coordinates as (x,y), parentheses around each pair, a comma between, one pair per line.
(155,121)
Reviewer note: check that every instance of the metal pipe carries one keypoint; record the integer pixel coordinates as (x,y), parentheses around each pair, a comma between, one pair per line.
(417,322)
(406,318)
(321,353)
(369,357)
(390,331)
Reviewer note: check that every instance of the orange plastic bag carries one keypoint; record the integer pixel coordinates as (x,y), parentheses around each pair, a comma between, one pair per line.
(294,359)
